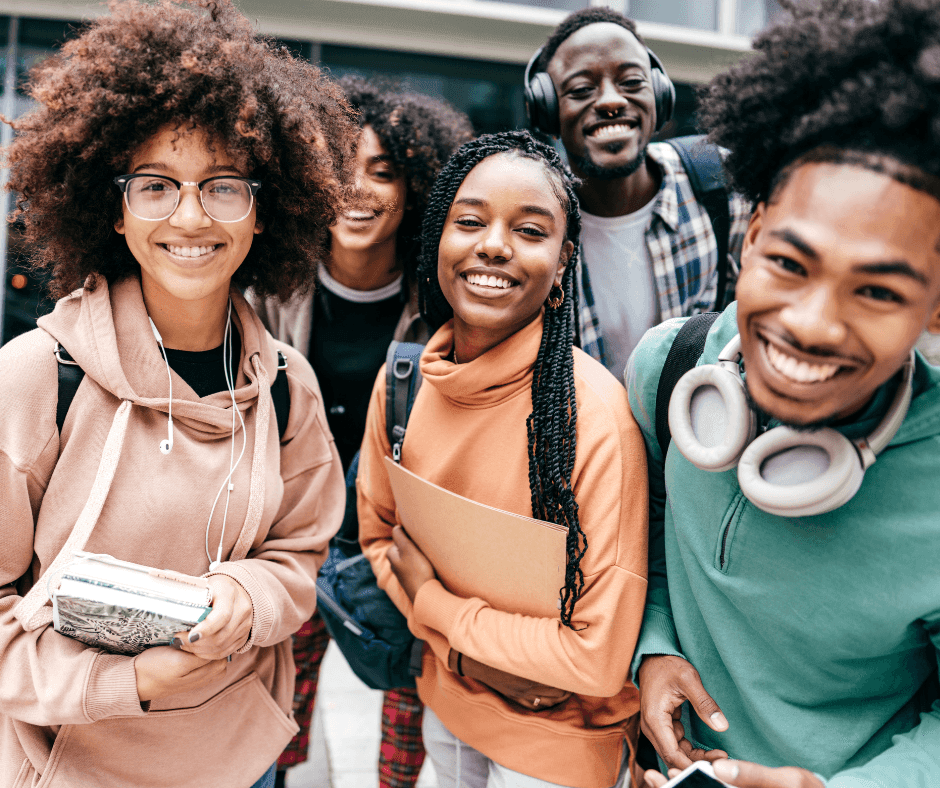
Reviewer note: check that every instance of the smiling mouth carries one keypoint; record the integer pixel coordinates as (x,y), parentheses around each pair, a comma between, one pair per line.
(190,252)
(360,216)
(483,280)
(614,130)
(797,370)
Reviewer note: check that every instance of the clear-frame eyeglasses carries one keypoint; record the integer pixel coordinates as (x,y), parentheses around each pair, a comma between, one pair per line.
(224,198)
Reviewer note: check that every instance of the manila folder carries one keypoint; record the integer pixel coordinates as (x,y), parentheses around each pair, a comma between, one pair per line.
(514,563)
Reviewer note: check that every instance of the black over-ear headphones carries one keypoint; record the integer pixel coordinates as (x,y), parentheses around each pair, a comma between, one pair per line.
(541,100)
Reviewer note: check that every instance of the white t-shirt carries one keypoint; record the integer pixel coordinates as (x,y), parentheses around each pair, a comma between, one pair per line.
(618,262)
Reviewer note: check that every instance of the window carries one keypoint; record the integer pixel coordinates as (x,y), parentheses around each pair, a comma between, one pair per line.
(701,14)
(490,93)
(754,15)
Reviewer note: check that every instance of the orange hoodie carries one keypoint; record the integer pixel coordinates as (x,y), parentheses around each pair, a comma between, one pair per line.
(69,714)
(467,433)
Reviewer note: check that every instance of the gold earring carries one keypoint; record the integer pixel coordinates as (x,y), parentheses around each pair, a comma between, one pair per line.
(556,301)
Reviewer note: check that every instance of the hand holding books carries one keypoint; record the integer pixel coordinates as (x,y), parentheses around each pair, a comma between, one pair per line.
(228,625)
(165,670)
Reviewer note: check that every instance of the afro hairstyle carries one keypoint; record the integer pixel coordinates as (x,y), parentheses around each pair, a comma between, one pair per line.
(572,23)
(198,64)
(420,133)
(841,81)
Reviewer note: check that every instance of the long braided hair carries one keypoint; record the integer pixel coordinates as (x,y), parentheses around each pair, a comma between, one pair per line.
(552,424)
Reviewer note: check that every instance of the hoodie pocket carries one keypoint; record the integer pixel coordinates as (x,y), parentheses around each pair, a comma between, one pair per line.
(228,741)
(729,527)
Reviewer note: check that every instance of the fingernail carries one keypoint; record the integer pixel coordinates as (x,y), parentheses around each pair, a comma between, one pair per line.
(726,770)
(194,636)
(177,643)
(718,721)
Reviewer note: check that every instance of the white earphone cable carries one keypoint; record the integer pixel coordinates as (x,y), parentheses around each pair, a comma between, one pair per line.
(165,446)
(227,484)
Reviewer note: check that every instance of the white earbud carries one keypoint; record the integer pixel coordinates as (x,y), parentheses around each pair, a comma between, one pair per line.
(166,446)
(784,471)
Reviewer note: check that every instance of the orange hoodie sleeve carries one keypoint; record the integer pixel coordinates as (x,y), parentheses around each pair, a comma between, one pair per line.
(279,573)
(611,491)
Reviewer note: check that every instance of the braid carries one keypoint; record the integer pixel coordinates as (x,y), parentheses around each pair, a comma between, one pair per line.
(552,425)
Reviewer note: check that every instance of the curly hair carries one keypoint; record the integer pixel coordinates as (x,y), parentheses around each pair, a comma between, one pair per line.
(841,81)
(572,23)
(419,133)
(192,64)
(552,425)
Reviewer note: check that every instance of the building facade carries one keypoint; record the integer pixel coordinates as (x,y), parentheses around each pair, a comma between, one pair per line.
(470,52)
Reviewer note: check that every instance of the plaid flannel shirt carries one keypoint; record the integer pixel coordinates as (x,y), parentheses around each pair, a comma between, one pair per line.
(682,249)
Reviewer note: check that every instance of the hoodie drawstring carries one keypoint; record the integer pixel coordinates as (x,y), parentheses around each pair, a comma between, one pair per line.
(256,494)
(30,609)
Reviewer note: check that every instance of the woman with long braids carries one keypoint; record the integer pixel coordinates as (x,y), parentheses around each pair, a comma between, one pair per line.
(511,415)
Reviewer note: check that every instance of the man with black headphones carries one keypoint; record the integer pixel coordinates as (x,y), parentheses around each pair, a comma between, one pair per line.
(793,609)
(649,249)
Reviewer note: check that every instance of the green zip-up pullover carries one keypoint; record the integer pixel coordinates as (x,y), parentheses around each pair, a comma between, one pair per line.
(817,636)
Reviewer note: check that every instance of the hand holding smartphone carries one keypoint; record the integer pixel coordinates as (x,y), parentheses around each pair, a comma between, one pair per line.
(699,775)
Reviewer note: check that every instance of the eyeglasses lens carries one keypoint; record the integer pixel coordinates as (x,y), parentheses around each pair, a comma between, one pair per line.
(224,199)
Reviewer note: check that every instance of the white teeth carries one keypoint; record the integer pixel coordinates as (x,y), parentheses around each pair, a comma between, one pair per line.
(359,215)
(611,131)
(799,371)
(189,251)
(488,281)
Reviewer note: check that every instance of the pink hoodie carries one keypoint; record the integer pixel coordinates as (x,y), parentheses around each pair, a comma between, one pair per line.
(69,714)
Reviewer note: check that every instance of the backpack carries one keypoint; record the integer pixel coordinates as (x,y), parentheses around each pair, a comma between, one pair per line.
(704,165)
(370,631)
(71,374)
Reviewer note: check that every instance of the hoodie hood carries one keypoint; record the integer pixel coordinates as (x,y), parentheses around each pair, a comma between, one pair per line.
(107,332)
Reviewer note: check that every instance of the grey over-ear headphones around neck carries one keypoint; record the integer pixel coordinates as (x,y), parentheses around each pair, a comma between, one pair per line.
(784,471)
(541,99)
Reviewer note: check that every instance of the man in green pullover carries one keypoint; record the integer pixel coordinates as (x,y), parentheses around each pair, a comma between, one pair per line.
(804,644)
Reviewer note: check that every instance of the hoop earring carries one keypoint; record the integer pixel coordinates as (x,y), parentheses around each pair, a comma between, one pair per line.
(555,301)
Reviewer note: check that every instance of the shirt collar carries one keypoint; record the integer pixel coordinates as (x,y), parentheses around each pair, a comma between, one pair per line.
(666,206)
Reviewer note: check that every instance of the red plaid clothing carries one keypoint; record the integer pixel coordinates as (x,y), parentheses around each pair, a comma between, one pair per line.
(310,644)
(402,750)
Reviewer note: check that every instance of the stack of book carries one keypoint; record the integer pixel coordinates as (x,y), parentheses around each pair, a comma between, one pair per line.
(125,608)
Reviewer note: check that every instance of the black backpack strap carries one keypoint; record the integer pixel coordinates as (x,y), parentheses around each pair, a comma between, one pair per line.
(402,381)
(71,374)
(703,164)
(70,377)
(280,393)
(685,352)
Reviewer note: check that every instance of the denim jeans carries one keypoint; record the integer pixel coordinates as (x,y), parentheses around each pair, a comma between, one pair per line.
(267,779)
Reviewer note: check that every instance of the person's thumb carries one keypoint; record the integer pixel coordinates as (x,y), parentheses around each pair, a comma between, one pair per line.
(704,705)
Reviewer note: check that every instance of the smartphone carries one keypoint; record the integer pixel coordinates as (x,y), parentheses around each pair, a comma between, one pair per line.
(698,775)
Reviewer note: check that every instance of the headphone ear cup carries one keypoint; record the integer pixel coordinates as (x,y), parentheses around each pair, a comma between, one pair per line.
(800,474)
(710,419)
(542,103)
(664,93)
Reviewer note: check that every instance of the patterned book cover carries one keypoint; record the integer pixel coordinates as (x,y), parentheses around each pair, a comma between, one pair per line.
(118,629)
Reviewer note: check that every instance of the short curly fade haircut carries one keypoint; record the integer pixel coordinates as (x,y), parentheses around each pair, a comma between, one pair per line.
(572,23)
(190,65)
(840,81)
(420,133)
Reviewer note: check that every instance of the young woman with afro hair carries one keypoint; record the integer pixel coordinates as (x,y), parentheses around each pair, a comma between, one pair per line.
(366,298)
(174,158)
